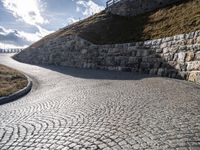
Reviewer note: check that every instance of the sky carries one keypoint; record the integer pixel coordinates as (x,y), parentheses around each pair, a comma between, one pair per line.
(23,22)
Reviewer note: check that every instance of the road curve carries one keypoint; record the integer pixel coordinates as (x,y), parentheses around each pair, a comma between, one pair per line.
(89,109)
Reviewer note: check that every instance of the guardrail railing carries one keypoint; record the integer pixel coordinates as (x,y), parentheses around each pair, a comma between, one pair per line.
(111,2)
(10,50)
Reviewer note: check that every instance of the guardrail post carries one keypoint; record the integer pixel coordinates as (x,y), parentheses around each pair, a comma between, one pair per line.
(111,2)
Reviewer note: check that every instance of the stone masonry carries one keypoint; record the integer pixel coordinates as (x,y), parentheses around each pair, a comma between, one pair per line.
(175,57)
(135,7)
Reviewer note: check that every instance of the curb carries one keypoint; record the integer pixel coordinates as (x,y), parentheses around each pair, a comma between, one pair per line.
(17,94)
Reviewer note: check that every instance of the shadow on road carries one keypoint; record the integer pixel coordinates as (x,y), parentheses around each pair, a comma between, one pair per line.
(97,74)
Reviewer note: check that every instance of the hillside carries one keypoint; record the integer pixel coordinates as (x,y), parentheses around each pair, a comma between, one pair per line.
(104,28)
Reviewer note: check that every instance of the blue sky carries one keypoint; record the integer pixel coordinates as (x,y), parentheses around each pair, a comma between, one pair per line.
(23,22)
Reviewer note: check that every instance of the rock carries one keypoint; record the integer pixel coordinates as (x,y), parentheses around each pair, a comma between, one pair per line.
(161,71)
(153,71)
(193,66)
(197,56)
(190,35)
(194,76)
(168,57)
(148,43)
(160,50)
(178,67)
(145,53)
(139,53)
(175,57)
(156,42)
(168,39)
(181,57)
(190,41)
(83,51)
(163,45)
(179,37)
(198,40)
(133,60)
(189,56)
(165,50)
(182,75)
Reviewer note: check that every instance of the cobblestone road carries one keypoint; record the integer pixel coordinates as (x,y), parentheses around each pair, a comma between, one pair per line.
(88,109)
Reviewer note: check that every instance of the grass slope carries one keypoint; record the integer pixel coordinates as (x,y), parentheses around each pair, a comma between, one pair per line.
(104,28)
(10,81)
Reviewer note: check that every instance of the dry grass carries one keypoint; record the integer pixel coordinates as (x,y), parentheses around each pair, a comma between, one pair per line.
(104,28)
(10,81)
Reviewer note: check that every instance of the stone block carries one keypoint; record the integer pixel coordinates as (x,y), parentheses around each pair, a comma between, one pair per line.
(177,67)
(139,53)
(197,33)
(163,45)
(161,71)
(190,41)
(110,61)
(156,42)
(181,57)
(165,50)
(175,57)
(84,51)
(179,37)
(194,76)
(168,57)
(196,47)
(124,61)
(153,71)
(198,40)
(182,48)
(189,56)
(159,50)
(146,53)
(147,43)
(168,39)
(197,56)
(193,66)
(157,65)
(181,75)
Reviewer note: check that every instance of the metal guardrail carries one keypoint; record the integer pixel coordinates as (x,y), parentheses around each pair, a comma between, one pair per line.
(111,2)
(10,50)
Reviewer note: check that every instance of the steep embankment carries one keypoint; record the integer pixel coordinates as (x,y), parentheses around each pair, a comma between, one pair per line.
(104,28)
(176,56)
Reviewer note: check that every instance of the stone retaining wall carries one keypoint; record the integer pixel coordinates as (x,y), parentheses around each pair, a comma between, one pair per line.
(176,57)
(135,7)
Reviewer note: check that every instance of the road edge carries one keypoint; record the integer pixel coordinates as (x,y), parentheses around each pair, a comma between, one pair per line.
(18,94)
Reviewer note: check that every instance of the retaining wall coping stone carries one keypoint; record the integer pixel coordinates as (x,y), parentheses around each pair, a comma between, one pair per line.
(17,94)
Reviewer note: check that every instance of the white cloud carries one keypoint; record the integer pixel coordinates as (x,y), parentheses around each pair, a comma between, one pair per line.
(30,37)
(43,32)
(88,8)
(27,10)
(13,38)
(30,12)
(71,20)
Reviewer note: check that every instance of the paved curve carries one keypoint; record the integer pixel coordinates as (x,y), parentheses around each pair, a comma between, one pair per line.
(85,109)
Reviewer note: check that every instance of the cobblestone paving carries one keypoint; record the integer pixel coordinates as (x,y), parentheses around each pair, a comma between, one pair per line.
(87,109)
